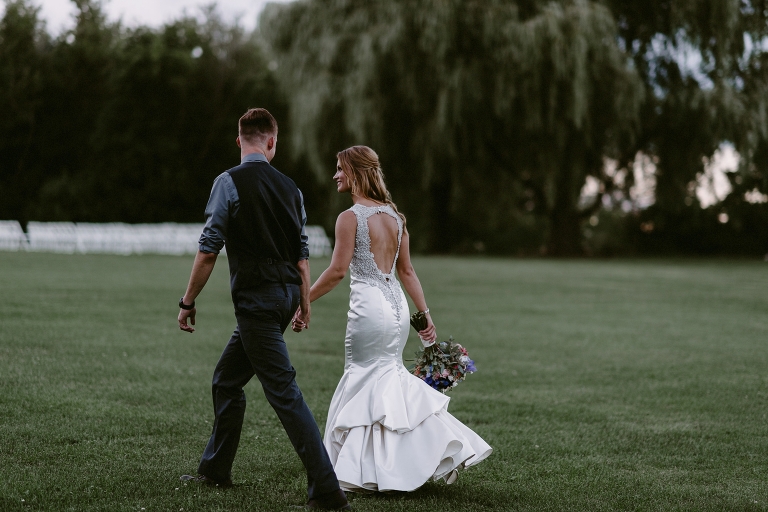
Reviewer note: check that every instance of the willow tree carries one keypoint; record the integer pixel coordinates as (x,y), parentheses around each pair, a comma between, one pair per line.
(705,68)
(488,117)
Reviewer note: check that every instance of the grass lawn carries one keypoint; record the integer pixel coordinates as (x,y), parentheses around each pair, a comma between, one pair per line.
(602,385)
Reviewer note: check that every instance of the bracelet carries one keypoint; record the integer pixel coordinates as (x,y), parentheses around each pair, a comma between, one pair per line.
(424,312)
(186,307)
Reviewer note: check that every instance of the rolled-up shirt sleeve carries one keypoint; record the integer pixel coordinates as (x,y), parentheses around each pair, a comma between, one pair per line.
(222,202)
(304,252)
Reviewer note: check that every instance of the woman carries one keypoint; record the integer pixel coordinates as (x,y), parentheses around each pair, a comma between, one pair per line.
(387,430)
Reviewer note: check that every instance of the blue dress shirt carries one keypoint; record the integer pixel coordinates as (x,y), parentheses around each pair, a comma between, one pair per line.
(225,203)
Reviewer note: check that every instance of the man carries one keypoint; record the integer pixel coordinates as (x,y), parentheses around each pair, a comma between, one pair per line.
(259,213)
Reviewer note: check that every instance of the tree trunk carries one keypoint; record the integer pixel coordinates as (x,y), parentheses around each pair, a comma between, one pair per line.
(565,232)
(565,220)
(442,238)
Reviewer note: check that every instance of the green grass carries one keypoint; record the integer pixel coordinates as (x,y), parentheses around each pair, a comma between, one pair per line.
(602,385)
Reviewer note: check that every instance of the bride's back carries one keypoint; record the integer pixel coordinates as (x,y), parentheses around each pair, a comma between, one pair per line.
(383,231)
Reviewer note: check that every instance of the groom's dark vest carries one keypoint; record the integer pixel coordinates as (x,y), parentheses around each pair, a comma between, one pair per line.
(264,237)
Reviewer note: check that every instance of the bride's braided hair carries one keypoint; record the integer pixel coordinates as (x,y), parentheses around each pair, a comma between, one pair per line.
(362,167)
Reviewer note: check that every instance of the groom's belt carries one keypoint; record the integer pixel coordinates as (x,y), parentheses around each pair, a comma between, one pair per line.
(256,271)
(270,261)
(281,267)
(254,263)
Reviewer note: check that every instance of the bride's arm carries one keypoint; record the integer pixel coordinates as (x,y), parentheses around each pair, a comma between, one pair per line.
(412,285)
(346,227)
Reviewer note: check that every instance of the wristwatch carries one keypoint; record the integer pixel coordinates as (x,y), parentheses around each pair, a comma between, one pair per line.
(186,306)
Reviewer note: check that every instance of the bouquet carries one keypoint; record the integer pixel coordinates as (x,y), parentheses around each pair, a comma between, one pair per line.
(442,365)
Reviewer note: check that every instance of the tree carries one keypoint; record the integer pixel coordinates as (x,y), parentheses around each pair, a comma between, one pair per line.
(488,116)
(703,64)
(112,124)
(77,85)
(23,47)
(168,126)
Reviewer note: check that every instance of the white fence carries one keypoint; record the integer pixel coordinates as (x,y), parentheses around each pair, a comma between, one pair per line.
(12,237)
(119,238)
(319,243)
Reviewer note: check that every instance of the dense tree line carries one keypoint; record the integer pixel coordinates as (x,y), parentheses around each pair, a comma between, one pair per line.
(104,123)
(489,116)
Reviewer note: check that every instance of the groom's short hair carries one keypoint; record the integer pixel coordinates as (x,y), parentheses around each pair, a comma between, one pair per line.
(257,125)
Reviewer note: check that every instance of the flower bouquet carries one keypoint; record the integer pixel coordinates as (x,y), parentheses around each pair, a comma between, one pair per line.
(442,365)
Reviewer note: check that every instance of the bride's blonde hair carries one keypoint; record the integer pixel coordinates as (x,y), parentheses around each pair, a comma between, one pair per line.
(361,166)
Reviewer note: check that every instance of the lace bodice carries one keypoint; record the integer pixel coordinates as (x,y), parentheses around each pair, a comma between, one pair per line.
(363,266)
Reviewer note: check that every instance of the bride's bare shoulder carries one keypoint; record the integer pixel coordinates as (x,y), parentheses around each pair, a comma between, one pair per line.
(346,221)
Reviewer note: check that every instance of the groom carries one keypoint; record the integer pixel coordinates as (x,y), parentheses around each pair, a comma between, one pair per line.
(259,213)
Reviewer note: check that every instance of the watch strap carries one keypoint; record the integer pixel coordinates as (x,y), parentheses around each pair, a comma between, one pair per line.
(186,306)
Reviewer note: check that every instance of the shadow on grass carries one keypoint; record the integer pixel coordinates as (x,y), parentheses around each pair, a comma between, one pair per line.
(433,496)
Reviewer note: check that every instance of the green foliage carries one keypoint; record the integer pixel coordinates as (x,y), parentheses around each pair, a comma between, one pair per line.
(474,110)
(703,64)
(110,124)
(171,117)
(490,115)
(22,71)
(602,386)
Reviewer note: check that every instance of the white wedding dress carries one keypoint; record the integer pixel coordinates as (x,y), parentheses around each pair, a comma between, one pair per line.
(387,430)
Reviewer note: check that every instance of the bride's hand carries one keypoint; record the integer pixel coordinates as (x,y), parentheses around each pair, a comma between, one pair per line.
(430,333)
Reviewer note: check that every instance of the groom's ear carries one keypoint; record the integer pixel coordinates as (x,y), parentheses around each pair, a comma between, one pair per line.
(270,142)
(237,141)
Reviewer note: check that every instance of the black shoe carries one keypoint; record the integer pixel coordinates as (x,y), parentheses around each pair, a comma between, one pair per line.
(204,480)
(335,500)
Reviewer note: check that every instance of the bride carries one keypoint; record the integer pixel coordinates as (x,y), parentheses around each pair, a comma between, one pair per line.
(387,430)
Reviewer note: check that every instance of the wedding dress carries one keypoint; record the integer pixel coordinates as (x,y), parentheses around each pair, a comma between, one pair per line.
(387,429)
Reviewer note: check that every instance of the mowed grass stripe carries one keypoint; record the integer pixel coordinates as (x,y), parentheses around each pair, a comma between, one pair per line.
(602,385)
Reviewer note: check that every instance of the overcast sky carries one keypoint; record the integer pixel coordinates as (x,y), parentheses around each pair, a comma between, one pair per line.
(58,13)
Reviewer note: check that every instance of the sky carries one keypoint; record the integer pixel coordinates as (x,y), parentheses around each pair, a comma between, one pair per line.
(58,13)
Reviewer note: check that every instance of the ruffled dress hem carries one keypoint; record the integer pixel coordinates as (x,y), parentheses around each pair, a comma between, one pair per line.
(389,431)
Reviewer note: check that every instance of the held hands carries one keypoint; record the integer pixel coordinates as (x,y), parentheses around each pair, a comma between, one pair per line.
(301,319)
(184,315)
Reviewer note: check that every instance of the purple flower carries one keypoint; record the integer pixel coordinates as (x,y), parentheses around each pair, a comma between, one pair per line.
(443,365)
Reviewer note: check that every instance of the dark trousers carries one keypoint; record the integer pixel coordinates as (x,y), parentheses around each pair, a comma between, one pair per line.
(257,348)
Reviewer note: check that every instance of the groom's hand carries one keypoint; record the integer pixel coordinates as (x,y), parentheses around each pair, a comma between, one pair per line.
(296,325)
(184,315)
